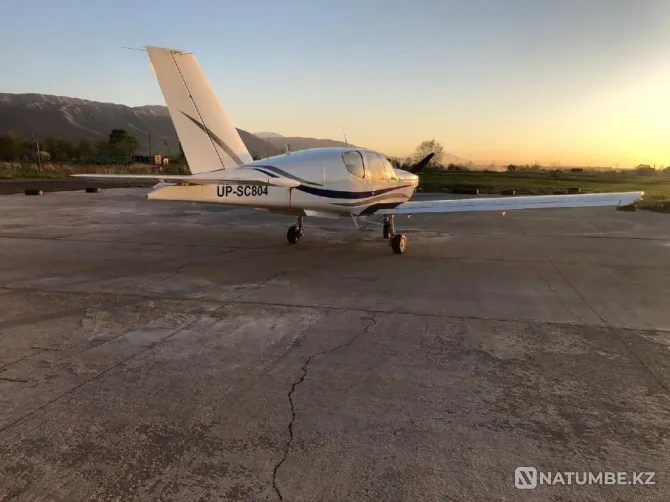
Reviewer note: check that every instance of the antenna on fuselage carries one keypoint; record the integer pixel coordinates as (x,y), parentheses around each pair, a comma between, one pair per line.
(345,137)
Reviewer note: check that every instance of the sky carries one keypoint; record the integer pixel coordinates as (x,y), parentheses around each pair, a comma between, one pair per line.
(578,82)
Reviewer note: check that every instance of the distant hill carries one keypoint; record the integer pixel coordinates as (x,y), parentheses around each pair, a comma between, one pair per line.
(298,143)
(75,119)
(266,135)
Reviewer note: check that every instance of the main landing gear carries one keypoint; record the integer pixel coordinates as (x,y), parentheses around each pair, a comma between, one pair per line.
(296,231)
(398,242)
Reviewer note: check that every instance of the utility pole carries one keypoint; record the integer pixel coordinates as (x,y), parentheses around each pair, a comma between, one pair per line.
(150,151)
(166,147)
(39,157)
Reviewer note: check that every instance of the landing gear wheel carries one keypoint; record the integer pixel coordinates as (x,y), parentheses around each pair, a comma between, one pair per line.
(399,244)
(293,234)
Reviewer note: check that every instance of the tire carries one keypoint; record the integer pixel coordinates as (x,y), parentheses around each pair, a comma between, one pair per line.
(399,244)
(293,235)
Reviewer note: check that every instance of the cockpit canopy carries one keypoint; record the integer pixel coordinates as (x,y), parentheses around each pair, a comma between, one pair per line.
(368,165)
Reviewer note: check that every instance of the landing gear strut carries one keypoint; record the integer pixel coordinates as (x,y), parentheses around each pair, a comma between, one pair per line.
(398,242)
(389,227)
(296,231)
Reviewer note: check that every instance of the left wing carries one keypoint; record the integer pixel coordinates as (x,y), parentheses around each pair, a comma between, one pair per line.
(512,203)
(233,176)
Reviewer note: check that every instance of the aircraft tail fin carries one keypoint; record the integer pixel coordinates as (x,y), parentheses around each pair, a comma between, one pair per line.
(206,133)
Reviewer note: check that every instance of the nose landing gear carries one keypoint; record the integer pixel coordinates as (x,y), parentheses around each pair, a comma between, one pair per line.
(296,231)
(398,242)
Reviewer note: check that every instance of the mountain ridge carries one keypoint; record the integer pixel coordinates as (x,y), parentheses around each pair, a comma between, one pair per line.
(76,118)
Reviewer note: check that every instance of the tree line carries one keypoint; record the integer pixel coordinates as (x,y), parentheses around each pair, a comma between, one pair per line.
(119,145)
(425,148)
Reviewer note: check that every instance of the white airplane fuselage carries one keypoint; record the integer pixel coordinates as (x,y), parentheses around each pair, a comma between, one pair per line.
(327,187)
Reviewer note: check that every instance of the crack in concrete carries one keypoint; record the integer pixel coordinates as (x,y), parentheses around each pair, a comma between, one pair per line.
(558,297)
(18,380)
(99,375)
(305,369)
(607,325)
(213,301)
(68,238)
(59,314)
(179,269)
(613,330)
(261,284)
(4,367)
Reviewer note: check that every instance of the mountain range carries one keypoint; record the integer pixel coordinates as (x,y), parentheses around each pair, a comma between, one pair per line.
(298,142)
(74,119)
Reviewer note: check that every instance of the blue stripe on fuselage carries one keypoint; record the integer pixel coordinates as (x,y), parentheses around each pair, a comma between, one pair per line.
(337,194)
(271,175)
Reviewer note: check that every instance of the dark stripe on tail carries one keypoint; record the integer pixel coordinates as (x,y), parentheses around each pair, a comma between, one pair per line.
(215,138)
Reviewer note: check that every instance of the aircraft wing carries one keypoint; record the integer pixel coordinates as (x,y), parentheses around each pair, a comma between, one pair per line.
(232,176)
(512,203)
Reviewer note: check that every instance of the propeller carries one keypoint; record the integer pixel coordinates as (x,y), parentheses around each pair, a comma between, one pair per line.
(421,164)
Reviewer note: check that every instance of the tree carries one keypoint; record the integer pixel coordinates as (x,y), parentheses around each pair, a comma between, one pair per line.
(59,149)
(121,144)
(427,147)
(131,143)
(117,142)
(86,149)
(118,136)
(103,148)
(11,146)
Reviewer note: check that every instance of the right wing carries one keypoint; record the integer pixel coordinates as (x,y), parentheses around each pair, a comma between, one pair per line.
(512,203)
(233,176)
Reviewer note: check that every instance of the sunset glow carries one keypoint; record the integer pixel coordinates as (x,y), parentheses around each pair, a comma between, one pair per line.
(571,82)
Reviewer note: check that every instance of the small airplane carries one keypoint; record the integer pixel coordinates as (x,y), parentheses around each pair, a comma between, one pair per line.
(319,182)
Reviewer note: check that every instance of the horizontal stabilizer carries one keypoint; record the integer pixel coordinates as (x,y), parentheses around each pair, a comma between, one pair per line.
(236,177)
(513,203)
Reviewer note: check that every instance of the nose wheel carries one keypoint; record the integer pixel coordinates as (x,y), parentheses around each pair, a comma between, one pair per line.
(296,231)
(398,242)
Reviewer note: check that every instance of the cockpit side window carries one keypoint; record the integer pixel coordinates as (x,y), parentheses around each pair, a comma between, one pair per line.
(376,167)
(390,172)
(354,163)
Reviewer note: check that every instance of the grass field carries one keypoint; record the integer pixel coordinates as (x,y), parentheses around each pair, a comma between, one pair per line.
(655,186)
(544,182)
(63,171)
